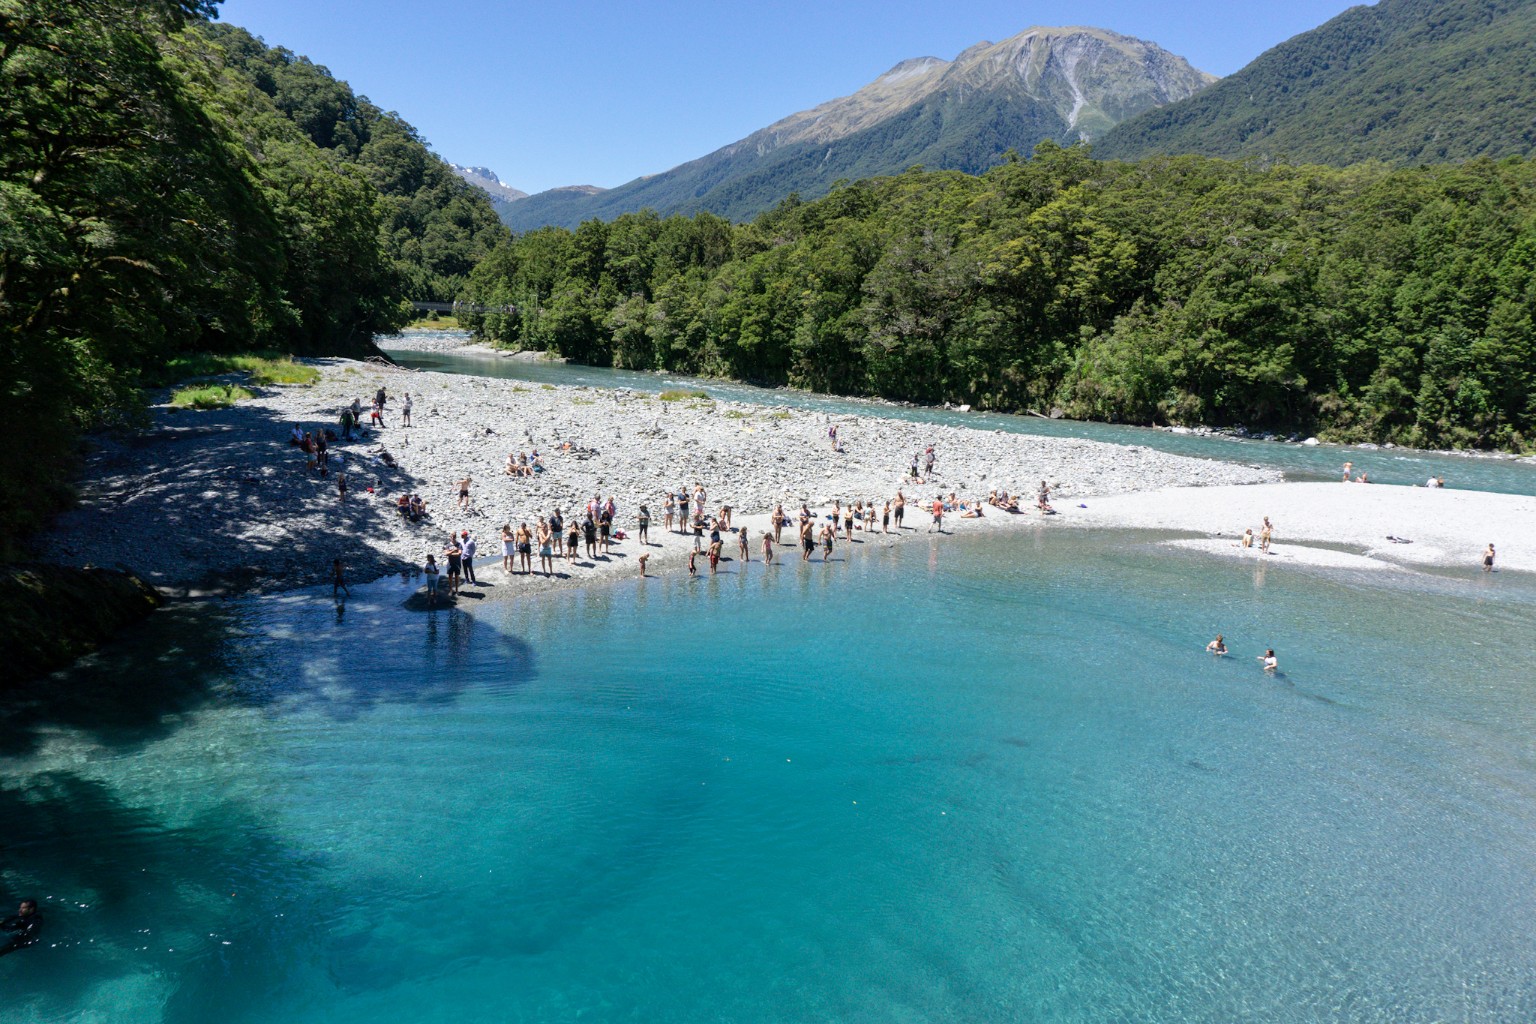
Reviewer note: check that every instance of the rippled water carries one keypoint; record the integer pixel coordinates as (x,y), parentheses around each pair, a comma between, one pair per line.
(1385,466)
(990,780)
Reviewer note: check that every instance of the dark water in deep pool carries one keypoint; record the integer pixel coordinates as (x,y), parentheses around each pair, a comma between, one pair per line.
(994,779)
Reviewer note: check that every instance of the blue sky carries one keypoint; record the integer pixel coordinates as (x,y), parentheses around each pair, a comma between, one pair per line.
(600,93)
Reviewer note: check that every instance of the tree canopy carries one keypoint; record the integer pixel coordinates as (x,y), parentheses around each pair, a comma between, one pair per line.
(1365,303)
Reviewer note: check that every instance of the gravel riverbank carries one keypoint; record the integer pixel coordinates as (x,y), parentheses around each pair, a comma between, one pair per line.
(217,501)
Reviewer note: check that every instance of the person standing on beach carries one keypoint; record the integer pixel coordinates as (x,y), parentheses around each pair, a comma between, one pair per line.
(767,548)
(828,539)
(464,491)
(525,548)
(900,510)
(743,544)
(589,533)
(643,527)
(346,424)
(546,549)
(557,532)
(1488,558)
(885,518)
(405,410)
(1264,535)
(669,512)
(778,522)
(338,578)
(572,541)
(341,487)
(928,462)
(508,546)
(682,510)
(847,524)
(454,554)
(832,435)
(938,514)
(604,528)
(807,540)
(467,543)
(431,572)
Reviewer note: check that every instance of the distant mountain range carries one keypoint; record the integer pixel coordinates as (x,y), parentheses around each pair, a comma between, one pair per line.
(1065,84)
(1404,82)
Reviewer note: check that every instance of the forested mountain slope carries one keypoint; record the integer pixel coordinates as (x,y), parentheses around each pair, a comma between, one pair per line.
(1064,84)
(1404,81)
(1363,303)
(168,186)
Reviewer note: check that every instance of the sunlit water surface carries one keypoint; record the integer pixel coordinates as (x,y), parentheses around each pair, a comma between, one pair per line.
(994,779)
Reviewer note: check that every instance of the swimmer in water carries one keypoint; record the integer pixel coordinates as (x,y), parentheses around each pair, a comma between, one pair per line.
(1217,646)
(23,927)
(1271,663)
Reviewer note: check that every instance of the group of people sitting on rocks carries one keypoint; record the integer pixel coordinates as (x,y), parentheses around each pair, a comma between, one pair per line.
(524,463)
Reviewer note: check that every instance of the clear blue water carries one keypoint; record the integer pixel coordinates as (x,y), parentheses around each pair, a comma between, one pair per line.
(994,779)
(1325,462)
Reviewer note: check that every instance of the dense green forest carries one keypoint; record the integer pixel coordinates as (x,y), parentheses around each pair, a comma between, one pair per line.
(1365,303)
(1400,81)
(168,186)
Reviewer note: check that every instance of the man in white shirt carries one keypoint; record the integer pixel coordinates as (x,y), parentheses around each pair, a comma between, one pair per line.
(467,543)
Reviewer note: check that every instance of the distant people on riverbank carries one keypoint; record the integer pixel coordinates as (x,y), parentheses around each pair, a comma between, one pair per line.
(430,570)
(464,491)
(1488,554)
(338,578)
(405,410)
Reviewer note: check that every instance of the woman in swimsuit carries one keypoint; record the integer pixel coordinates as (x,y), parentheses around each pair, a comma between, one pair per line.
(546,549)
(778,522)
(572,541)
(668,512)
(767,548)
(506,547)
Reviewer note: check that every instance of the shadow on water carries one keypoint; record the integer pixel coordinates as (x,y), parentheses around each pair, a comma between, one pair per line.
(129,902)
(282,655)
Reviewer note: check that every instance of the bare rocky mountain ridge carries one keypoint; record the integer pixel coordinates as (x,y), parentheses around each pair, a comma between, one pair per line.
(1063,84)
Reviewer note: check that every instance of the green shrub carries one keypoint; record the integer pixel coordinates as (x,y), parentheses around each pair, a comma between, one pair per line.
(679,395)
(209,396)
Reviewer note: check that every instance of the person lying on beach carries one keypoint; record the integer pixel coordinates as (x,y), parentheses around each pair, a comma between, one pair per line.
(973,512)
(1271,663)
(1217,646)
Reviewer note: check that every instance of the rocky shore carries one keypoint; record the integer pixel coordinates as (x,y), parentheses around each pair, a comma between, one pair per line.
(218,502)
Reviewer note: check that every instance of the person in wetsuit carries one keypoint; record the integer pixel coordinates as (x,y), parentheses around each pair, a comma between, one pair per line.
(23,927)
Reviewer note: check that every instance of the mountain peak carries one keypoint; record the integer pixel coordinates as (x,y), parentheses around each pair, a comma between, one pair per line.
(485,178)
(1065,84)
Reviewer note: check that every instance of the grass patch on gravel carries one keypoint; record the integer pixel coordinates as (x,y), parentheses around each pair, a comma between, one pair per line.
(262,368)
(680,395)
(737,414)
(209,396)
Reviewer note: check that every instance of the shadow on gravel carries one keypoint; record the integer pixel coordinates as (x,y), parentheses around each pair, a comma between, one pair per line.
(234,502)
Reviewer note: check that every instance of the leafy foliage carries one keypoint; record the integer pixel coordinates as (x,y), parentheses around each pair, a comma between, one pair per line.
(1366,303)
(1403,81)
(156,201)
